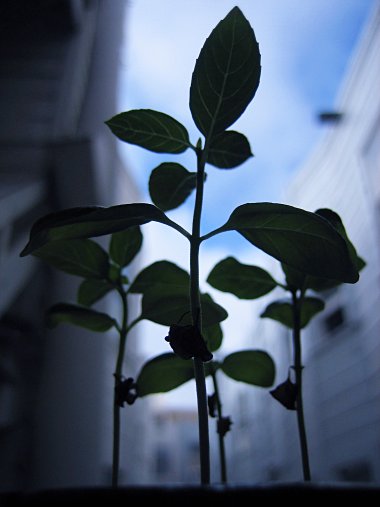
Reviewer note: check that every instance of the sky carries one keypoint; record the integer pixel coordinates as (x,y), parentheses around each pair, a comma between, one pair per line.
(305,46)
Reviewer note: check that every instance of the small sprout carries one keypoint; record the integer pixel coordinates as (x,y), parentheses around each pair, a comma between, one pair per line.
(125,391)
(187,342)
(223,425)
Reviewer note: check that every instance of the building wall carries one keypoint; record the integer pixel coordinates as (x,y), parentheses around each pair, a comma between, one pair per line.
(343,374)
(58,84)
(341,355)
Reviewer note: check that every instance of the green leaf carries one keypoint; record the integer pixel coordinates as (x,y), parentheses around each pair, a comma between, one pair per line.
(151,130)
(226,75)
(81,257)
(163,373)
(242,280)
(299,238)
(125,245)
(281,311)
(170,185)
(79,316)
(168,309)
(254,367)
(229,149)
(91,221)
(295,279)
(322,284)
(213,336)
(336,222)
(159,277)
(92,290)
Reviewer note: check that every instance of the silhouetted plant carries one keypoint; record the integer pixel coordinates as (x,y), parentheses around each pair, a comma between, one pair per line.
(167,371)
(251,282)
(103,272)
(224,82)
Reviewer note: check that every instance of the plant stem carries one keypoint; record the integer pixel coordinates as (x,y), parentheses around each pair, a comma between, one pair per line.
(196,312)
(297,304)
(223,466)
(118,372)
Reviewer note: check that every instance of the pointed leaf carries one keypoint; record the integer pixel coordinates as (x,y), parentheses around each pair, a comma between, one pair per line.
(163,373)
(170,185)
(159,277)
(254,367)
(318,284)
(299,238)
(213,336)
(281,311)
(337,223)
(242,280)
(91,221)
(79,316)
(226,75)
(168,309)
(229,149)
(81,257)
(125,245)
(151,130)
(92,290)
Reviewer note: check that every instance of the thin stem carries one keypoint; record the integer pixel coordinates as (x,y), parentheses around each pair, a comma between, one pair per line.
(196,313)
(116,408)
(297,303)
(222,452)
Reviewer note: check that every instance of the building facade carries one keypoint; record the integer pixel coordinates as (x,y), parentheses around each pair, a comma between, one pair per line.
(59,62)
(341,347)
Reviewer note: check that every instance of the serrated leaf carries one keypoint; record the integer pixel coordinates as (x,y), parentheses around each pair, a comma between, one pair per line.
(254,367)
(125,245)
(213,336)
(91,221)
(242,280)
(163,373)
(159,277)
(79,316)
(80,257)
(299,238)
(91,291)
(281,311)
(228,150)
(226,74)
(170,184)
(151,130)
(168,309)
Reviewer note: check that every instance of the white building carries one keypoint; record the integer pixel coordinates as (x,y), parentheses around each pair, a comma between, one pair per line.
(341,347)
(59,64)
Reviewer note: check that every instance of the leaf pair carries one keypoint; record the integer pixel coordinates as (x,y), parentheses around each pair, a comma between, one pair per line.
(224,81)
(165,290)
(167,371)
(303,240)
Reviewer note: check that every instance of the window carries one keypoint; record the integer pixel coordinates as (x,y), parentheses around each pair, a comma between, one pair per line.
(356,472)
(335,319)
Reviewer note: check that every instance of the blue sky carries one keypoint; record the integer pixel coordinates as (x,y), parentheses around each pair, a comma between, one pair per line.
(305,46)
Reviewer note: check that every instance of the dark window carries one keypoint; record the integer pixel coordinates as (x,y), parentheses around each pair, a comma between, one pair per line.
(162,461)
(334,320)
(357,472)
